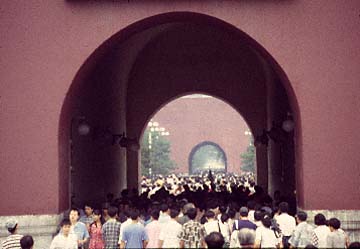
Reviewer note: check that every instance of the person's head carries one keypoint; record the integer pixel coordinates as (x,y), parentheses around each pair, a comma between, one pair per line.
(354,245)
(334,224)
(214,240)
(232,213)
(96,215)
(224,217)
(11,225)
(258,215)
(266,221)
(26,242)
(301,216)
(191,213)
(310,246)
(246,237)
(174,213)
(187,206)
(244,212)
(65,225)
(155,213)
(283,207)
(112,211)
(320,219)
(210,214)
(164,207)
(74,215)
(88,209)
(134,214)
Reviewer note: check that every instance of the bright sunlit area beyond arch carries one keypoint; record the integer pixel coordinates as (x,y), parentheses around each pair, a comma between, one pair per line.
(194,134)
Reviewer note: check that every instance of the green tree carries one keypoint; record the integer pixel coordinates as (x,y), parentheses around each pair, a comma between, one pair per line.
(248,158)
(158,157)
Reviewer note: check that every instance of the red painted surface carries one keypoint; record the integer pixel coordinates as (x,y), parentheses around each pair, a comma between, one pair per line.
(192,121)
(43,45)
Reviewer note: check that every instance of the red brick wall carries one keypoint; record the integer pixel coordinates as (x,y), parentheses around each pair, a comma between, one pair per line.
(192,121)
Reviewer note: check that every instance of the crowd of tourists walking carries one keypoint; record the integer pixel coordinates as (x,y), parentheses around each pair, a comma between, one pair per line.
(203,211)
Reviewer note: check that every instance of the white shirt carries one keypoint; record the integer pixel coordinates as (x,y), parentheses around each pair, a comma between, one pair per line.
(286,223)
(225,230)
(321,232)
(62,242)
(251,216)
(234,239)
(169,234)
(211,226)
(266,237)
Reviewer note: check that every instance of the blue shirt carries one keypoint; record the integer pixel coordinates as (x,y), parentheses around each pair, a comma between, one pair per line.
(134,235)
(81,231)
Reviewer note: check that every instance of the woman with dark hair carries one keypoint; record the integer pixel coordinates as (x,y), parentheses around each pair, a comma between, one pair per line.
(96,240)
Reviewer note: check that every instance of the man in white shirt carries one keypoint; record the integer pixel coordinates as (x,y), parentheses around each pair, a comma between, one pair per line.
(264,236)
(321,232)
(169,234)
(286,223)
(212,224)
(64,240)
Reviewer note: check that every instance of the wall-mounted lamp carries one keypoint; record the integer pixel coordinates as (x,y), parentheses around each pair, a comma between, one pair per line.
(123,141)
(277,133)
(84,129)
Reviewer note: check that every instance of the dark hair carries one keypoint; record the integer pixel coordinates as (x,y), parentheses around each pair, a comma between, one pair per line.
(210,214)
(191,213)
(320,219)
(164,207)
(301,215)
(266,221)
(26,242)
(284,207)
(155,213)
(65,222)
(75,209)
(87,204)
(12,230)
(174,212)
(258,215)
(310,246)
(112,211)
(335,223)
(222,209)
(214,240)
(232,213)
(96,212)
(354,245)
(224,217)
(134,214)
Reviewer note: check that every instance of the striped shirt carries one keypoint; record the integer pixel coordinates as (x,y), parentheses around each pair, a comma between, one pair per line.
(12,242)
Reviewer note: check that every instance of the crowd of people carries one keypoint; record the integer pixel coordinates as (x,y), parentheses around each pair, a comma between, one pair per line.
(203,211)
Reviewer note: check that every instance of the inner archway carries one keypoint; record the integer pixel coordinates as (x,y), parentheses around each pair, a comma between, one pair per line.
(140,69)
(207,156)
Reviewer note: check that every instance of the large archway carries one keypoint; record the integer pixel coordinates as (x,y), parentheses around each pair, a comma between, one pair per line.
(140,69)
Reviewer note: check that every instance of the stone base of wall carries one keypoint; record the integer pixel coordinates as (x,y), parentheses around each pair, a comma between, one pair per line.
(350,220)
(40,227)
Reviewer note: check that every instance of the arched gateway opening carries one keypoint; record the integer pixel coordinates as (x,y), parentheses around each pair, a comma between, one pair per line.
(140,69)
(207,156)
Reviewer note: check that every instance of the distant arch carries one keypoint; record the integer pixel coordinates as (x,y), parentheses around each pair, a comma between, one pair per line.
(213,162)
